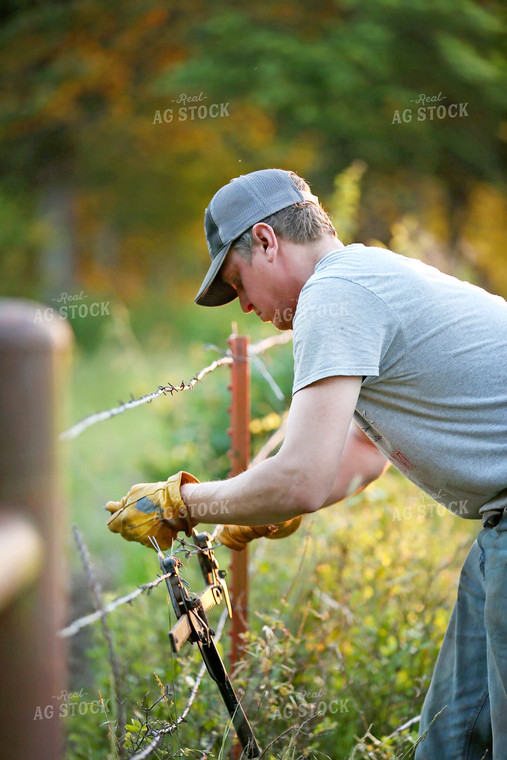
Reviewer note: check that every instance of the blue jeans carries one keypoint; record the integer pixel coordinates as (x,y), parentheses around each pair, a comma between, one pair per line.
(469,684)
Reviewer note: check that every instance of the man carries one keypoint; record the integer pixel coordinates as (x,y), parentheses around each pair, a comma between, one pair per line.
(394,362)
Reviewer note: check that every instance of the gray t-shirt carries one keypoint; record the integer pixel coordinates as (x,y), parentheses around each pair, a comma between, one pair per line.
(432,351)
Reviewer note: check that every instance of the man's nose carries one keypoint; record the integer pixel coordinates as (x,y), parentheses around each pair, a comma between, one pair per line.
(245,304)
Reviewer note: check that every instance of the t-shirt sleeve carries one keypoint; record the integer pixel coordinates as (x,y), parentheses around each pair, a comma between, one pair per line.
(340,328)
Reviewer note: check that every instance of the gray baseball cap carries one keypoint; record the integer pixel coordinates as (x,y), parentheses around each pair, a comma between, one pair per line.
(237,206)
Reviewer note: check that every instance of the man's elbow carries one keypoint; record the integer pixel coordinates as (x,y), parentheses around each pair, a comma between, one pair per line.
(304,487)
(351,481)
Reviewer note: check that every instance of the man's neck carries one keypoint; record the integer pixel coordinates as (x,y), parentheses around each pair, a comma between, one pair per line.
(301,260)
(323,247)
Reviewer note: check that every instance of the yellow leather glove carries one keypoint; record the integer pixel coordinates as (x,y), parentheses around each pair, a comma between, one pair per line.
(152,509)
(238,536)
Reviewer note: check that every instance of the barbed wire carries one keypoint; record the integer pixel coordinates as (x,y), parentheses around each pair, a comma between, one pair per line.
(403,727)
(162,390)
(87,620)
(83,622)
(227,359)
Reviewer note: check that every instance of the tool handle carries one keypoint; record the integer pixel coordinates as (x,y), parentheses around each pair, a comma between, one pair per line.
(217,671)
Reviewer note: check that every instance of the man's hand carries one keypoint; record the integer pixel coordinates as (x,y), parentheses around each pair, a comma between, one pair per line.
(238,536)
(152,510)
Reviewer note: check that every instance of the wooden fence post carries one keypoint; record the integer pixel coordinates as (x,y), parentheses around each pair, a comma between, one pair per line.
(35,346)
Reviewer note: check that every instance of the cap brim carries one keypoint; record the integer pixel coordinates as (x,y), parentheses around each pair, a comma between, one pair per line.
(214,291)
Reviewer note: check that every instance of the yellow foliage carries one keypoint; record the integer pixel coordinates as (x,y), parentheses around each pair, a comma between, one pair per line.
(265,424)
(485,235)
(346,200)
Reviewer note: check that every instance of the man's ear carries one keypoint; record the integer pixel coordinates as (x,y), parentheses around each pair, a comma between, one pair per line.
(265,236)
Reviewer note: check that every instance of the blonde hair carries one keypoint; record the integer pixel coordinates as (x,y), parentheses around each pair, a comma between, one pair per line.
(300,223)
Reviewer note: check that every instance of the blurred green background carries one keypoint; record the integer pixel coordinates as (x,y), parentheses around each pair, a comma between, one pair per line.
(118,122)
(98,191)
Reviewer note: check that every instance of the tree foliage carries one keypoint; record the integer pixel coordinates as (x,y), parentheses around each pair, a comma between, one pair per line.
(313,87)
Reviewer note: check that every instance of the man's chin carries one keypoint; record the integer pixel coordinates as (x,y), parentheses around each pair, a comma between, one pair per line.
(280,325)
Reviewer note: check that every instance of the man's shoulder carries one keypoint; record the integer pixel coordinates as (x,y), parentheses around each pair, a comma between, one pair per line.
(350,270)
(395,278)
(361,258)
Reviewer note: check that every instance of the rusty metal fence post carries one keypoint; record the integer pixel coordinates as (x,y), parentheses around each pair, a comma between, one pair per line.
(239,455)
(34,349)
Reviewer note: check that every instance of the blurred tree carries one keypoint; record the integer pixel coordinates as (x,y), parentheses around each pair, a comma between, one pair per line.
(86,156)
(78,141)
(342,71)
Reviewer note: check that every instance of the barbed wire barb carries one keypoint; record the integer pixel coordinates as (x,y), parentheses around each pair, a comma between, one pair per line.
(87,620)
(227,358)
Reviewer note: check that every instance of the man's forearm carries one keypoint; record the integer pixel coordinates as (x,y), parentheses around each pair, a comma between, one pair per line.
(270,492)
